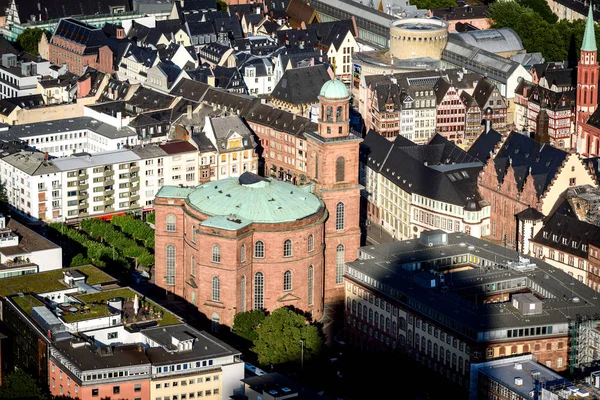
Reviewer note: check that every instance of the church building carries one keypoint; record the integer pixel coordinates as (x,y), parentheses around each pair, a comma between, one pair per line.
(252,242)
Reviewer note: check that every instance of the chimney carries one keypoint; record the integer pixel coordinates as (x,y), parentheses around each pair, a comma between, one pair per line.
(120,32)
(190,111)
(119,121)
(46,156)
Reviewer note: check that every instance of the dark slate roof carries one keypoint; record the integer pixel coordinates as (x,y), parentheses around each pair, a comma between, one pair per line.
(439,170)
(278,119)
(55,9)
(81,33)
(7,105)
(148,99)
(298,37)
(568,230)
(228,23)
(201,28)
(213,52)
(6,47)
(484,144)
(141,56)
(301,85)
(530,214)
(190,6)
(483,91)
(170,70)
(298,57)
(244,9)
(226,77)
(467,100)
(388,94)
(277,4)
(270,27)
(594,119)
(440,89)
(190,90)
(556,101)
(529,158)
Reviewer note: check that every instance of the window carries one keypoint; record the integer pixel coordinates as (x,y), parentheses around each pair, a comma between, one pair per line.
(287,280)
(216,254)
(193,266)
(311,243)
(170,264)
(339,266)
(287,248)
(339,169)
(339,216)
(171,225)
(259,249)
(216,289)
(243,294)
(116,389)
(259,300)
(310,285)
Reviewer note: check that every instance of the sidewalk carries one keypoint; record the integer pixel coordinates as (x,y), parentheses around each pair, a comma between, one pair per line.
(377,235)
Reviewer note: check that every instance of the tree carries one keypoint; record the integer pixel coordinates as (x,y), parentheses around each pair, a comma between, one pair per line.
(245,324)
(29,40)
(22,386)
(429,4)
(280,335)
(542,8)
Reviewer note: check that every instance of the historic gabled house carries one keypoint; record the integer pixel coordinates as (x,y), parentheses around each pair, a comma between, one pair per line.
(559,107)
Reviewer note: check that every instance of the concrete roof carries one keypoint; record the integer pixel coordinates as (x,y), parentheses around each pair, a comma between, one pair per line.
(31,162)
(92,160)
(65,125)
(248,198)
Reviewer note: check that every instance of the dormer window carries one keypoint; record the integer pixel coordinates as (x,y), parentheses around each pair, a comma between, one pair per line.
(565,241)
(545,234)
(574,244)
(555,238)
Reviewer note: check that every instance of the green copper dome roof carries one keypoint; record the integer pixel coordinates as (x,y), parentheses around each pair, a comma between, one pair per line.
(236,202)
(334,89)
(589,36)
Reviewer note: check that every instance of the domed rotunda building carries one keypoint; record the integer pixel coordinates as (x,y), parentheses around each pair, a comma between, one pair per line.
(246,243)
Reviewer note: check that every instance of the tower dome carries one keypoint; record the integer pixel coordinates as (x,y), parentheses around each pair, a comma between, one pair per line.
(334,89)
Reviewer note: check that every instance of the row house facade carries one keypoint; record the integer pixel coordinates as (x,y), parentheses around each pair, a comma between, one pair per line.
(405,206)
(68,189)
(451,111)
(520,172)
(559,107)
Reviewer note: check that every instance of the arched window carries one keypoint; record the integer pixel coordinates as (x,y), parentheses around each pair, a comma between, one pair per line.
(387,325)
(193,266)
(316,166)
(409,337)
(216,289)
(243,254)
(287,248)
(259,249)
(365,312)
(447,356)
(403,323)
(442,353)
(171,223)
(339,264)
(170,264)
(340,210)
(376,319)
(435,351)
(259,293)
(394,328)
(329,113)
(353,307)
(417,341)
(193,234)
(359,309)
(338,114)
(340,169)
(371,316)
(243,294)
(311,243)
(310,285)
(215,322)
(216,254)
(381,322)
(287,280)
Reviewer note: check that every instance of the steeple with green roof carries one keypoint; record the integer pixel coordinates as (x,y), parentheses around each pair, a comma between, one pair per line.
(589,36)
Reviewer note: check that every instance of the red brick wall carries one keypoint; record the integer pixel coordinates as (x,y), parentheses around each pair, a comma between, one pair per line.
(230,270)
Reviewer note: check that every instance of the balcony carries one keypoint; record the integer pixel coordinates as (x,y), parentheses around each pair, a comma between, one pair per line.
(108,202)
(109,182)
(109,192)
(83,186)
(134,169)
(134,206)
(134,179)
(82,196)
(56,186)
(109,209)
(82,176)
(84,214)
(108,173)
(83,205)
(134,197)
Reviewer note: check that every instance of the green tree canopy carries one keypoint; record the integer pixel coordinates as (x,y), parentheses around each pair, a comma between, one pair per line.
(279,338)
(245,323)
(29,40)
(22,386)
(429,4)
(557,41)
